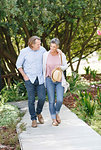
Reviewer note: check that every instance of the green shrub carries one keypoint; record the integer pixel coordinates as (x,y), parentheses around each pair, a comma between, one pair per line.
(16,92)
(93,73)
(86,103)
(8,115)
(77,83)
(98,96)
(90,72)
(87,69)
(73,79)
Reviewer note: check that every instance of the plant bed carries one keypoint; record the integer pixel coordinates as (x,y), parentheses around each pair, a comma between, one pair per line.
(9,117)
(69,100)
(93,120)
(9,138)
(93,89)
(90,78)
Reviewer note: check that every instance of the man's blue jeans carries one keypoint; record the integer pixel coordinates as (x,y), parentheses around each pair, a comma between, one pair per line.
(51,88)
(31,97)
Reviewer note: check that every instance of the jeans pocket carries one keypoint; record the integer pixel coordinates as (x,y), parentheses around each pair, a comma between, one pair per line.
(27,81)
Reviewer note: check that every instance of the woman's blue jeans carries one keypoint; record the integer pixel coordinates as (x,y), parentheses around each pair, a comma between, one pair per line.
(53,87)
(31,88)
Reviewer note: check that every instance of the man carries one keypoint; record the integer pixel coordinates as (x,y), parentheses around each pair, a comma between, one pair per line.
(29,64)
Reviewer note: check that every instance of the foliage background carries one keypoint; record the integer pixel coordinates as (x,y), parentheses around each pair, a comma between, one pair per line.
(74,22)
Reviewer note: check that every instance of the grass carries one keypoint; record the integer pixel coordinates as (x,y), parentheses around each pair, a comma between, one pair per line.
(94,122)
(22,127)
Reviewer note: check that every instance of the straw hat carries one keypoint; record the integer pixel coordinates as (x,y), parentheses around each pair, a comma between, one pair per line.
(56,75)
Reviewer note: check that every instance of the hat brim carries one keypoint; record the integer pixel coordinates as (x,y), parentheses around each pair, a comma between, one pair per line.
(53,73)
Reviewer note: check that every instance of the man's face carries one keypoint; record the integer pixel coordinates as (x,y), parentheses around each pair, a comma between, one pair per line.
(36,45)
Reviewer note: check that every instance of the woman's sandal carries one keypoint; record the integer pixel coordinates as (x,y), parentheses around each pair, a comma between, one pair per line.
(58,119)
(55,123)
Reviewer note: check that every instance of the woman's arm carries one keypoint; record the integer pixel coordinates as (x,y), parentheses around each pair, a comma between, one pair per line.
(64,65)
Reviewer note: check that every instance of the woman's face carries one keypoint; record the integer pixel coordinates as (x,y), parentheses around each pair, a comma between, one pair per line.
(53,47)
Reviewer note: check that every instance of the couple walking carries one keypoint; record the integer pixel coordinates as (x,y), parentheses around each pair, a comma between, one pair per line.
(39,69)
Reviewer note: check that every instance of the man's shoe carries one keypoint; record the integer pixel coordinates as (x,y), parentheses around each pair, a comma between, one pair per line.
(34,123)
(40,118)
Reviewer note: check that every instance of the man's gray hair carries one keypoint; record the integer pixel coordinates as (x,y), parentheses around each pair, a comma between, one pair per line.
(32,40)
(55,40)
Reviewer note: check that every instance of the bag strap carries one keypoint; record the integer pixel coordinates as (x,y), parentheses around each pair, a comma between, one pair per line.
(61,57)
(64,72)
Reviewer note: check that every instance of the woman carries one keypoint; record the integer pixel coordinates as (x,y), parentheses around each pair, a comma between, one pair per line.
(54,59)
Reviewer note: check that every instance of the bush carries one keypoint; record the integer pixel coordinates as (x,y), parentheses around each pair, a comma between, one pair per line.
(77,83)
(86,104)
(99,97)
(73,79)
(93,73)
(90,72)
(8,114)
(87,69)
(16,92)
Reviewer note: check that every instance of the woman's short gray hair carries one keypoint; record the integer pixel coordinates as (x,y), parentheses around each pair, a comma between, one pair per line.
(55,40)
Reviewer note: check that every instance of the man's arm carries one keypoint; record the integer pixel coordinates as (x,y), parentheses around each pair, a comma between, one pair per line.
(23,74)
(19,64)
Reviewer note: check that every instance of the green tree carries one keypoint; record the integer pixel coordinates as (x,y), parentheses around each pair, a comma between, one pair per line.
(74,22)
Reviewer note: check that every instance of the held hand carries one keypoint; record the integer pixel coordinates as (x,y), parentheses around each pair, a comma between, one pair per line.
(59,51)
(58,68)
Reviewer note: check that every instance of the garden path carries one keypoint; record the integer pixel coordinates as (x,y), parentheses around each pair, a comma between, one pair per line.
(71,134)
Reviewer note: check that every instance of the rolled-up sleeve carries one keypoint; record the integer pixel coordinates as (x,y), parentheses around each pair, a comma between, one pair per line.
(20,60)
